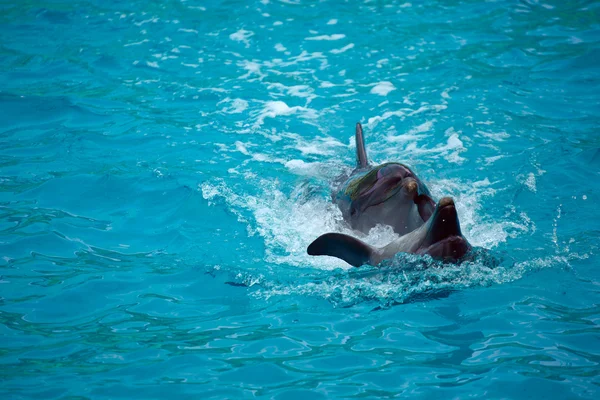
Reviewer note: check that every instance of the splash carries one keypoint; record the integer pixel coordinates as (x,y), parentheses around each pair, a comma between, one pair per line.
(289,217)
(481,231)
(289,222)
(408,278)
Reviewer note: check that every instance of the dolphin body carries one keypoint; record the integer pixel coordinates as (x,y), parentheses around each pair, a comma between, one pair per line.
(440,237)
(389,193)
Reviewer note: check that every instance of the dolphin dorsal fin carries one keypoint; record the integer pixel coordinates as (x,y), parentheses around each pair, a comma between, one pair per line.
(349,249)
(361,152)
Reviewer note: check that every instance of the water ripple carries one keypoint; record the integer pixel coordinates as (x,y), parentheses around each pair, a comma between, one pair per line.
(164,165)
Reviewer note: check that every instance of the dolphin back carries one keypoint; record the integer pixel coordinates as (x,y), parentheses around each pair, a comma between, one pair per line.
(347,248)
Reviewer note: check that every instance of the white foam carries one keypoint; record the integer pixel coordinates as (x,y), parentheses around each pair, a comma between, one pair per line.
(454,146)
(295,60)
(237,106)
(382,62)
(136,43)
(332,22)
(336,36)
(450,151)
(303,91)
(413,135)
(253,68)
(403,113)
(242,36)
(288,226)
(343,49)
(300,167)
(388,286)
(273,109)
(424,127)
(373,121)
(280,47)
(383,88)
(491,160)
(319,146)
(146,21)
(469,198)
(241,147)
(446,93)
(496,136)
(530,182)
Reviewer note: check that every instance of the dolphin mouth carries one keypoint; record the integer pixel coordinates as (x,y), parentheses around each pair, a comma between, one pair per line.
(451,248)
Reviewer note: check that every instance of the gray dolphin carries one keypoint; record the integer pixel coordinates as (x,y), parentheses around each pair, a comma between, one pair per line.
(440,237)
(389,193)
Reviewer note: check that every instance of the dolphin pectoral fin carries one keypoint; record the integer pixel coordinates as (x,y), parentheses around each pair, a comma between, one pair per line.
(361,152)
(347,248)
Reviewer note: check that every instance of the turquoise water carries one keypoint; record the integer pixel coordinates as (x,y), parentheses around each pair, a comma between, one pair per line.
(163,166)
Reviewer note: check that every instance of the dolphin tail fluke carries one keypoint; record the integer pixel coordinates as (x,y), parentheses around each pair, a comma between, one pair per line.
(347,248)
(361,152)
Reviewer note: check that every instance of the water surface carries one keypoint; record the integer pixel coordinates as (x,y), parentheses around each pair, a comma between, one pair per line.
(163,166)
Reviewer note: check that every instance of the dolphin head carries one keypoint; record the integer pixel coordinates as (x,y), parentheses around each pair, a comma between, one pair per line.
(391,194)
(443,238)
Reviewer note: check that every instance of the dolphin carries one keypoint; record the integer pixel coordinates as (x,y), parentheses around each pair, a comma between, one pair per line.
(389,193)
(440,237)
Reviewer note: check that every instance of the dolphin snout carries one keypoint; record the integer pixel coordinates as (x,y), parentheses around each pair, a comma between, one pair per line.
(410,185)
(445,202)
